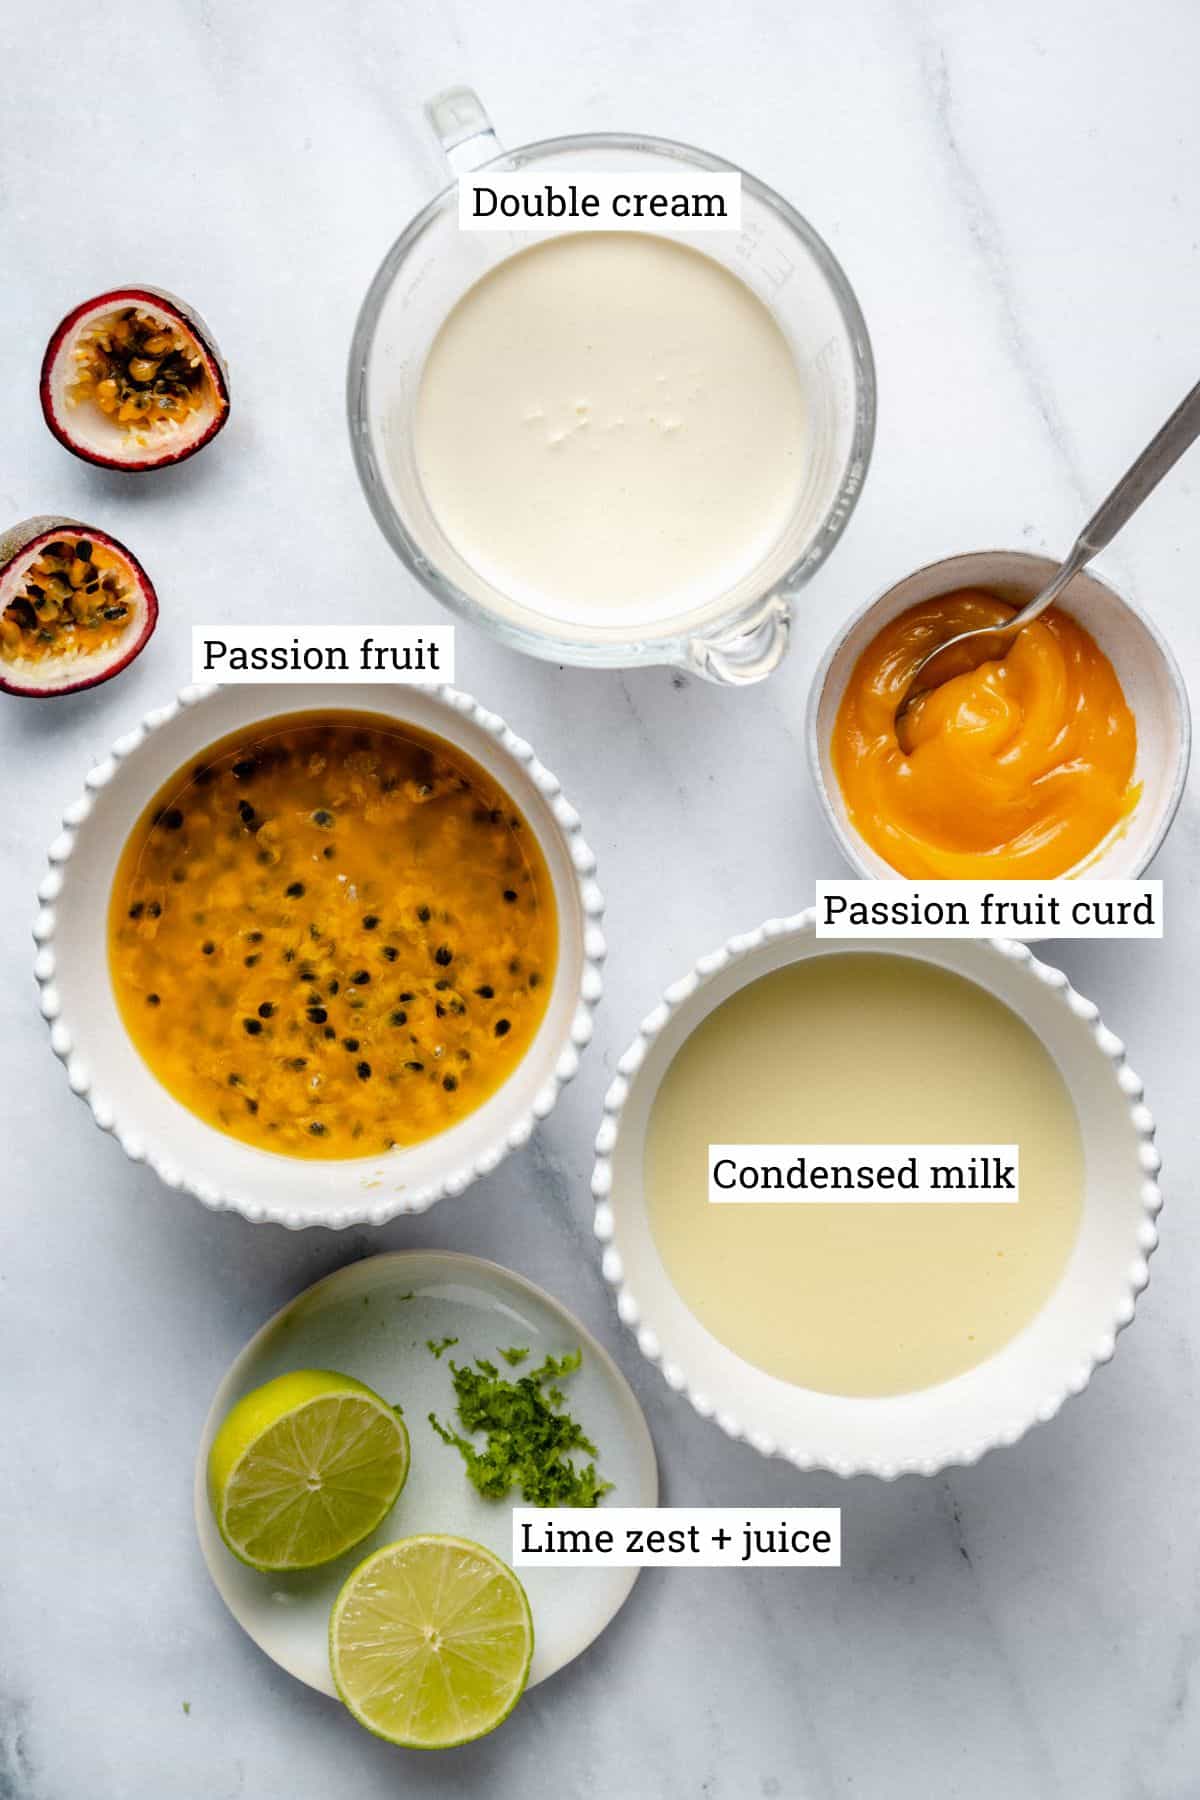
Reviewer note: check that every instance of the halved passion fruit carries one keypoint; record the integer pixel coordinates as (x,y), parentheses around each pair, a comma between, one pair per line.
(133,380)
(75,607)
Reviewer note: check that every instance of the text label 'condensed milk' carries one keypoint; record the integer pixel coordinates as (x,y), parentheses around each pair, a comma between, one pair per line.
(684,200)
(863,1174)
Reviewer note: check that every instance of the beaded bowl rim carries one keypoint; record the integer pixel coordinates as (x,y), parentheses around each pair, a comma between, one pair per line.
(377,1211)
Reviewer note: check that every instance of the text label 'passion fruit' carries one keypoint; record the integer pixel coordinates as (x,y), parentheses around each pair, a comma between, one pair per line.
(337,653)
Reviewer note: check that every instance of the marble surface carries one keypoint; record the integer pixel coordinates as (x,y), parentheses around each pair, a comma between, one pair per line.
(1013,192)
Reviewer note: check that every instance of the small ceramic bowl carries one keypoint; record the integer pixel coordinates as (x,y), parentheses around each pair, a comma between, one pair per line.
(103,1066)
(1145,667)
(997,1401)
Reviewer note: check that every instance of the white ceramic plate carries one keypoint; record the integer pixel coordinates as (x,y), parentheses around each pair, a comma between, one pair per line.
(372,1320)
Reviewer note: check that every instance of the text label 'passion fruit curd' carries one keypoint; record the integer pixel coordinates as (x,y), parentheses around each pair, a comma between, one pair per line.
(1019,769)
(859,1048)
(332,934)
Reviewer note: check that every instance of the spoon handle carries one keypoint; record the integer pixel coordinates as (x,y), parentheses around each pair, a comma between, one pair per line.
(1161,453)
(1140,479)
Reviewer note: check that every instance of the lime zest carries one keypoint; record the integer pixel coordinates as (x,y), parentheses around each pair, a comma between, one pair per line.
(529,1435)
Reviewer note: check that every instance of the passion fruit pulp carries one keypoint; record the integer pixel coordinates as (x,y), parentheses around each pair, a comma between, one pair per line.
(133,380)
(75,608)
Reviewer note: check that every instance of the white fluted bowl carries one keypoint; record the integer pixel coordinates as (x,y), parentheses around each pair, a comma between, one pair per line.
(997,1401)
(105,1069)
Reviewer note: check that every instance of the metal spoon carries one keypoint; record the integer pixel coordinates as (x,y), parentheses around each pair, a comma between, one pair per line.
(968,649)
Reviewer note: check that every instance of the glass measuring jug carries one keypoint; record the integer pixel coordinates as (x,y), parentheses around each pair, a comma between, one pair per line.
(738,635)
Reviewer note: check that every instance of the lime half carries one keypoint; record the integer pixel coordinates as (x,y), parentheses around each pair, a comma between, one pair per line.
(305,1468)
(430,1642)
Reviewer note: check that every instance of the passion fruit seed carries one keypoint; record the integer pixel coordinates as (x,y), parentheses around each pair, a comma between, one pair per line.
(138,370)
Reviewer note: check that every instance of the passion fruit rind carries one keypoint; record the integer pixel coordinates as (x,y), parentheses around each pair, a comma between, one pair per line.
(133,380)
(75,607)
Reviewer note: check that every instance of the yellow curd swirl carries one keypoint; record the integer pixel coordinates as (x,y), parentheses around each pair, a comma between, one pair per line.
(1019,769)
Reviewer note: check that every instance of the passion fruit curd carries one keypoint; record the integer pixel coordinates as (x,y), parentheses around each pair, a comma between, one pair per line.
(332,935)
(1018,769)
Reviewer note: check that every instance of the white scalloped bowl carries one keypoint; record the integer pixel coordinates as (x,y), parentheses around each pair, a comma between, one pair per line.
(997,1401)
(104,1068)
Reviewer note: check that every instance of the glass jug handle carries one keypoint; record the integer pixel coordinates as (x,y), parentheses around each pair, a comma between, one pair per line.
(463,129)
(747,652)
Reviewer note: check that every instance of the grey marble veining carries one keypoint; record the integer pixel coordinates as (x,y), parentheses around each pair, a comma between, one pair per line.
(1013,192)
